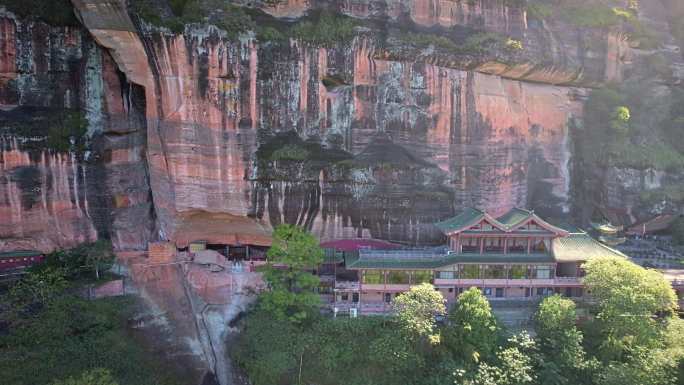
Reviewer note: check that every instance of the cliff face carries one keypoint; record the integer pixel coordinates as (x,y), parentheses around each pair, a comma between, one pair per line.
(490,138)
(56,190)
(122,130)
(175,123)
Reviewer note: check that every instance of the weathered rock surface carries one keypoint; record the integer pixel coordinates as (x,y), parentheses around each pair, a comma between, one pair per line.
(203,134)
(55,193)
(182,117)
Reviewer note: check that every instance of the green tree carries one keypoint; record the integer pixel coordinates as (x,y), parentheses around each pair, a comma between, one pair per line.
(554,315)
(620,120)
(561,343)
(99,256)
(677,230)
(629,299)
(472,332)
(38,288)
(97,376)
(268,349)
(642,367)
(416,310)
(513,365)
(291,259)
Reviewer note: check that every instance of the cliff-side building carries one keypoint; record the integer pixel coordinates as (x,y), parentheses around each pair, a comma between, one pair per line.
(515,256)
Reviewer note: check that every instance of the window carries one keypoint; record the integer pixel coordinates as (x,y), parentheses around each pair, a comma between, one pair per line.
(494,245)
(398,277)
(544,291)
(568,292)
(495,271)
(488,291)
(451,290)
(517,245)
(373,277)
(355,297)
(538,245)
(444,275)
(470,245)
(499,292)
(345,297)
(421,276)
(517,272)
(543,272)
(470,271)
(388,297)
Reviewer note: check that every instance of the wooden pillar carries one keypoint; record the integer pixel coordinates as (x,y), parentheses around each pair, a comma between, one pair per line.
(247,253)
(481,240)
(529,245)
(360,275)
(505,246)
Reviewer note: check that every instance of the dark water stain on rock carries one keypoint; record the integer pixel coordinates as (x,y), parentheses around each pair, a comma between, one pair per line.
(29,179)
(209,379)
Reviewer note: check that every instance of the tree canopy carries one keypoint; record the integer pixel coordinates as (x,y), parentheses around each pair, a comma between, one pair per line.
(289,274)
(473,330)
(418,308)
(629,300)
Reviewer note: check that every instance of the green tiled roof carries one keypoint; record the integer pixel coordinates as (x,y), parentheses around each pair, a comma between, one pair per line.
(466,217)
(514,217)
(580,246)
(506,222)
(19,253)
(433,263)
(333,256)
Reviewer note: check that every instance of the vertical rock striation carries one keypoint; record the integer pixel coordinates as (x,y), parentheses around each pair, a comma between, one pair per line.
(71,147)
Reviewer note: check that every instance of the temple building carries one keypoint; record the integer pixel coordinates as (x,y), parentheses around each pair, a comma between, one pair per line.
(515,256)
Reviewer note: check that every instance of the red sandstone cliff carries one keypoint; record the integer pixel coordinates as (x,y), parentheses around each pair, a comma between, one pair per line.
(189,113)
(361,138)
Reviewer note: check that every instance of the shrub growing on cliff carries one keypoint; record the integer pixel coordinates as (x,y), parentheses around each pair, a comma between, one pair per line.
(326,30)
(80,261)
(53,12)
(97,376)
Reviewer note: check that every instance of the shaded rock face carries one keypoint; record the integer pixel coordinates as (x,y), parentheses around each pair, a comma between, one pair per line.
(72,144)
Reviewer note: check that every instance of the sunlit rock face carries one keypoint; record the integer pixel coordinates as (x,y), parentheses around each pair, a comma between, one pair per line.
(57,191)
(476,139)
(554,51)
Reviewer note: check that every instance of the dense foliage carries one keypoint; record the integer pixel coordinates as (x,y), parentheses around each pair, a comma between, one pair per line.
(633,338)
(83,262)
(53,12)
(317,28)
(289,274)
(48,333)
(677,231)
